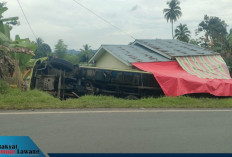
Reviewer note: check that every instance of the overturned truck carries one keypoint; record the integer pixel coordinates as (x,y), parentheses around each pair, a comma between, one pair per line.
(63,79)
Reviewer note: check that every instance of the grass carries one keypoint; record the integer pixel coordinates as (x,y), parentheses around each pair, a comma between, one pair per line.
(15,99)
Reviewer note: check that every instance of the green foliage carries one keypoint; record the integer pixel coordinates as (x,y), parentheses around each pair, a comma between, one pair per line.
(3,38)
(73,58)
(4,88)
(216,37)
(61,49)
(86,53)
(214,30)
(43,49)
(23,58)
(194,42)
(5,24)
(20,49)
(82,57)
(182,33)
(32,62)
(15,99)
(23,43)
(173,12)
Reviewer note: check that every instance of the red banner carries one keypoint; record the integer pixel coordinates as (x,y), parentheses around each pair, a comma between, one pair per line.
(174,81)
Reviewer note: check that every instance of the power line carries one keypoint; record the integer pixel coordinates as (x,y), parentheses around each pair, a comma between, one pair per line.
(28,23)
(26,19)
(106,21)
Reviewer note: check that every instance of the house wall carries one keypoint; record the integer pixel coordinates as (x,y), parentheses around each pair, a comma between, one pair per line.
(109,61)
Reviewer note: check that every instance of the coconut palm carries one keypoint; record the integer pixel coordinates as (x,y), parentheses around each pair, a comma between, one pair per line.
(173,12)
(86,53)
(182,33)
(86,47)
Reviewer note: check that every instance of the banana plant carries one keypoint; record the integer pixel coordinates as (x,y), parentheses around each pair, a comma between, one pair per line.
(5,25)
(16,52)
(18,45)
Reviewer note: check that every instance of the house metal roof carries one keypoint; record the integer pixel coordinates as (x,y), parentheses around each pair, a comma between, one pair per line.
(171,48)
(129,54)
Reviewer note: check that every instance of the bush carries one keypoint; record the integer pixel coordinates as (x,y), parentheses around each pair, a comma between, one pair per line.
(4,87)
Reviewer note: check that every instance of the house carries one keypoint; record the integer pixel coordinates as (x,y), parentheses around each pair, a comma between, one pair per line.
(146,50)
(180,68)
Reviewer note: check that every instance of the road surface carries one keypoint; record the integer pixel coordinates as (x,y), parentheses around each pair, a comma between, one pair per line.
(122,131)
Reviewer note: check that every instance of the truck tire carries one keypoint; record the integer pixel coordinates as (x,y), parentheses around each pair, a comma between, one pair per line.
(62,64)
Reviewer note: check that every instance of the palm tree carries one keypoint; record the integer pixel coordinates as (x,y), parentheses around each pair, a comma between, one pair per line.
(182,33)
(173,12)
(39,41)
(86,53)
(86,47)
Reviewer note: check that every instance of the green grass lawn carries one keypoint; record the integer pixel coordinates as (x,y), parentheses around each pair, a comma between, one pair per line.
(15,99)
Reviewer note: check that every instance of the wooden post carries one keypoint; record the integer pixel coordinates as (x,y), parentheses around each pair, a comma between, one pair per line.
(59,86)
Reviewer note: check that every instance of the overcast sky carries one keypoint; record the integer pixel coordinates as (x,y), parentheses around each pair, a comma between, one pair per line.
(143,19)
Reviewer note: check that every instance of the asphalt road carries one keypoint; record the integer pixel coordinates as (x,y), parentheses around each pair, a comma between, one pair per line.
(122,131)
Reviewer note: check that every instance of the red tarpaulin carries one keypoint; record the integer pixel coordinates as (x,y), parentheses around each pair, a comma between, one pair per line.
(174,81)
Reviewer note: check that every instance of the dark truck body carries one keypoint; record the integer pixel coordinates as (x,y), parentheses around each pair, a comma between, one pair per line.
(62,79)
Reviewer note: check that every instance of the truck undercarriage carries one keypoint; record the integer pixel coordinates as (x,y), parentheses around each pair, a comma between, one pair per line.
(62,79)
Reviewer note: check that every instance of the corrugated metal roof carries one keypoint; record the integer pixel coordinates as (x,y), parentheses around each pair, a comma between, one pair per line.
(129,54)
(173,48)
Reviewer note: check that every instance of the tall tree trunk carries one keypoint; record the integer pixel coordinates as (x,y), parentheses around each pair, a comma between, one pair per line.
(172,31)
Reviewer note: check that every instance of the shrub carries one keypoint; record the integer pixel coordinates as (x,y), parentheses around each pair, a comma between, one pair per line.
(4,87)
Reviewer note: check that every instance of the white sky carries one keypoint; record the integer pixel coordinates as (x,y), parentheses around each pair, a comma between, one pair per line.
(143,19)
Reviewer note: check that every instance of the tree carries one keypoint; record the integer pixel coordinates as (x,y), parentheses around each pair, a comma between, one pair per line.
(216,37)
(227,53)
(194,42)
(215,33)
(43,49)
(86,47)
(229,40)
(72,58)
(82,57)
(86,53)
(61,49)
(182,33)
(173,12)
